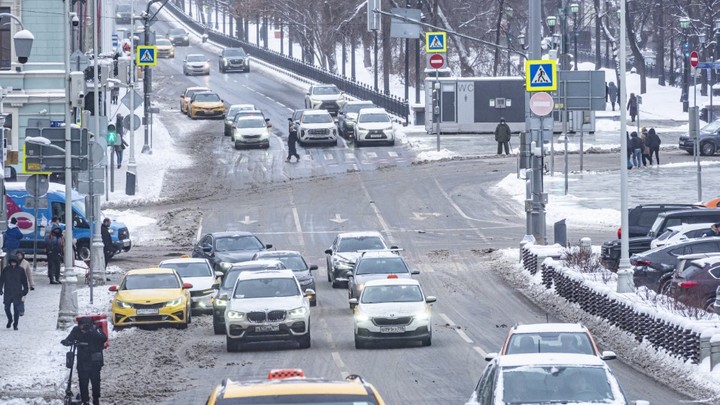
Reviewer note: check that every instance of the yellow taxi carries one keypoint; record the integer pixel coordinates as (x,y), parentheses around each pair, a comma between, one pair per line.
(286,386)
(206,104)
(151,296)
(165,48)
(187,95)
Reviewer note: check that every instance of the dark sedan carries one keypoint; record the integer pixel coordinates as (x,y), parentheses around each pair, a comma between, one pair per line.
(709,140)
(697,285)
(347,116)
(296,262)
(650,267)
(223,249)
(178,36)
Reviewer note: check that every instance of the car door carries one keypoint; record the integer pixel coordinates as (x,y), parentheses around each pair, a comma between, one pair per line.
(328,258)
(200,248)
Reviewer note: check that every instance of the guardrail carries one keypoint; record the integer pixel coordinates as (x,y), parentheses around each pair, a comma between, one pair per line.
(392,104)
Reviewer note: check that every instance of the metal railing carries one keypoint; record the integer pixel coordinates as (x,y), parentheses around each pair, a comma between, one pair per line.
(392,104)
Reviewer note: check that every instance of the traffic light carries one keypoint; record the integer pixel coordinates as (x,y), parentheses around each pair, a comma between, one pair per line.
(112,136)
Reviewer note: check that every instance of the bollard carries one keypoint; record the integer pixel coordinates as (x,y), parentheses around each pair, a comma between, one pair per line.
(526,240)
(625,282)
(714,351)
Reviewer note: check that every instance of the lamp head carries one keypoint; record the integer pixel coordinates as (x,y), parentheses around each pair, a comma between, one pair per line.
(23,45)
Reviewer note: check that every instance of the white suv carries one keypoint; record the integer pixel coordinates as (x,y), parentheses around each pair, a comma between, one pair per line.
(373,125)
(317,126)
(267,306)
(325,97)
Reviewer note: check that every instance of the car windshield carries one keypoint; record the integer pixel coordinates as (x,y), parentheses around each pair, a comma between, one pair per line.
(375,117)
(325,90)
(667,234)
(232,243)
(232,274)
(246,113)
(150,281)
(355,108)
(391,293)
(235,52)
(266,287)
(555,384)
(190,93)
(207,97)
(550,342)
(234,109)
(711,127)
(360,243)
(250,123)
(384,265)
(176,31)
(79,207)
(197,269)
(196,58)
(292,262)
(163,42)
(305,399)
(317,118)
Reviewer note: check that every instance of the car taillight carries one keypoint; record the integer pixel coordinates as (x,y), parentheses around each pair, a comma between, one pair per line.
(640,262)
(619,233)
(688,284)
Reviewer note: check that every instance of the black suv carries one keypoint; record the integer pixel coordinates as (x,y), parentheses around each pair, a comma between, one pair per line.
(347,116)
(642,215)
(223,249)
(178,36)
(234,59)
(293,121)
(709,140)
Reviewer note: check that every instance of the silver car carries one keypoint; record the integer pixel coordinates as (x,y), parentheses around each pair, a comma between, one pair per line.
(374,265)
(196,64)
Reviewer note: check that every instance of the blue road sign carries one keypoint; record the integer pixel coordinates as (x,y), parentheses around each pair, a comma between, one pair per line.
(435,42)
(541,75)
(115,40)
(708,65)
(146,56)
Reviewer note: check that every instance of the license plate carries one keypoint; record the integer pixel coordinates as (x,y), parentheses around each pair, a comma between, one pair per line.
(392,329)
(148,311)
(267,328)
(126,242)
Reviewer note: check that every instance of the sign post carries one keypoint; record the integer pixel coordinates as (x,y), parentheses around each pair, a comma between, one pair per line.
(436,44)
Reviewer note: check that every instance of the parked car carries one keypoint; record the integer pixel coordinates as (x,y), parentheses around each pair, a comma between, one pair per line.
(680,233)
(325,97)
(187,95)
(165,48)
(234,59)
(294,261)
(650,266)
(683,262)
(206,104)
(178,36)
(345,250)
(374,265)
(196,64)
(373,126)
(223,249)
(317,127)
(709,136)
(642,217)
(697,284)
(232,111)
(347,115)
(251,131)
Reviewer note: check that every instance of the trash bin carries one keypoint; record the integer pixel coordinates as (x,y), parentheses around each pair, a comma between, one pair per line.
(99,320)
(130,180)
(560,232)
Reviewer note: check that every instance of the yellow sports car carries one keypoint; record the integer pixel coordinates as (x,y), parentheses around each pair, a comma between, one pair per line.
(286,386)
(206,104)
(151,296)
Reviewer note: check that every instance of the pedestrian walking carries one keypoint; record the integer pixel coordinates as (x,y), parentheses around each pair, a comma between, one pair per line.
(629,150)
(25,265)
(612,92)
(12,238)
(636,147)
(108,248)
(90,342)
(646,148)
(54,250)
(114,94)
(292,150)
(653,142)
(502,137)
(14,288)
(120,147)
(632,106)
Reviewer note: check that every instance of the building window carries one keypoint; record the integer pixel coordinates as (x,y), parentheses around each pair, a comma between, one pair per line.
(5,40)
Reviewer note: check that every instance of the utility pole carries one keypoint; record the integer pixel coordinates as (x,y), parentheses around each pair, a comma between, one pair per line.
(97,262)
(624,271)
(132,164)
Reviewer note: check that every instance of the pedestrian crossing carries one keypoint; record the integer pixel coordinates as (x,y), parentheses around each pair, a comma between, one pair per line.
(338,157)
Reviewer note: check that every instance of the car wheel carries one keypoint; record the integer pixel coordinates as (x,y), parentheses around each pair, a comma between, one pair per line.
(709,305)
(313,303)
(192,116)
(219,329)
(237,145)
(359,344)
(187,320)
(83,250)
(707,149)
(664,284)
(247,70)
(427,341)
(232,345)
(334,143)
(304,341)
(392,143)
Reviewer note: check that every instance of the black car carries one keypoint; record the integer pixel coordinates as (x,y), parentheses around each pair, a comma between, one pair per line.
(347,115)
(123,14)
(642,217)
(652,267)
(178,36)
(228,284)
(709,140)
(296,262)
(234,59)
(225,248)
(294,120)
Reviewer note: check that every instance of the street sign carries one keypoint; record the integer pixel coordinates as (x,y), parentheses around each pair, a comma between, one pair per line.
(115,40)
(541,75)
(436,61)
(126,99)
(436,42)
(541,104)
(136,122)
(580,90)
(708,65)
(403,28)
(37,185)
(694,58)
(146,55)
(44,150)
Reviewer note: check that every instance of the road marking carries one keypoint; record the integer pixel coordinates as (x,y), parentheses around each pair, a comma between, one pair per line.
(199,231)
(393,154)
(460,332)
(481,351)
(371,155)
(350,156)
(328,156)
(401,230)
(457,208)
(338,360)
(379,216)
(421,216)
(338,219)
(247,220)
(280,104)
(298,228)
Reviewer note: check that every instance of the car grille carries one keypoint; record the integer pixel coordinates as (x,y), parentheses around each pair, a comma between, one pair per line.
(274,316)
(256,316)
(329,105)
(149,306)
(403,320)
(376,134)
(151,318)
(123,234)
(236,62)
(318,131)
(251,136)
(163,52)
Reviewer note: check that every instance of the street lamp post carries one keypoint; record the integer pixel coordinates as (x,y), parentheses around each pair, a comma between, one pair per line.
(713,73)
(575,9)
(508,17)
(552,22)
(684,25)
(703,85)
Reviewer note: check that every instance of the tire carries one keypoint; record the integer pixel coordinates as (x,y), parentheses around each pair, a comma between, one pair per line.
(359,344)
(709,305)
(218,329)
(188,319)
(664,284)
(232,345)
(83,250)
(192,116)
(707,149)
(392,143)
(237,146)
(304,341)
(427,341)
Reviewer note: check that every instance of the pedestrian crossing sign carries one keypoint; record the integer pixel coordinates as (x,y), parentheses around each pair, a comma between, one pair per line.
(541,75)
(436,42)
(146,55)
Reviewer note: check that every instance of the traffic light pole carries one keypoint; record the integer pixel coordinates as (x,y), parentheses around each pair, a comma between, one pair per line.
(97,259)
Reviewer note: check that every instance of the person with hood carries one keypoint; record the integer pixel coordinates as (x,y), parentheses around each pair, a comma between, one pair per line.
(90,342)
(12,238)
(653,142)
(292,150)
(636,147)
(632,106)
(108,248)
(54,250)
(25,265)
(502,137)
(13,287)
(612,91)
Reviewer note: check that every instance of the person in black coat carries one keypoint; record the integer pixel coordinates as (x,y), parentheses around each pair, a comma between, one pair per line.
(292,151)
(636,146)
(108,248)
(653,142)
(90,341)
(13,287)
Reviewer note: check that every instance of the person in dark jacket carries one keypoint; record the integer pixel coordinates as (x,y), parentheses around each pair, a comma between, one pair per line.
(714,230)
(292,141)
(108,248)
(632,106)
(90,341)
(636,147)
(612,93)
(13,287)
(54,251)
(653,142)
(502,137)
(12,238)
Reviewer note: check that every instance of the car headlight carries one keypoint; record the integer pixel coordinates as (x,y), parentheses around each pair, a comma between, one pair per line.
(302,132)
(306,281)
(297,312)
(123,304)
(174,303)
(388,131)
(186,37)
(225,266)
(343,265)
(238,316)
(360,317)
(118,15)
(423,315)
(219,302)
(206,65)
(362,131)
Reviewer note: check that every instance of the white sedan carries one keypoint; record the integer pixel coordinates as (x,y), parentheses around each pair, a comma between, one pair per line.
(251,131)
(204,280)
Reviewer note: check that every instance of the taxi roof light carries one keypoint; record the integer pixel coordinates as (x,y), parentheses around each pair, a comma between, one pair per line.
(282,373)
(392,276)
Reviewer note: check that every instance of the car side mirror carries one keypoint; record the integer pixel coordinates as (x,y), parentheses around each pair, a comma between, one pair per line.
(268,246)
(206,248)
(187,286)
(394,247)
(353,301)
(290,119)
(307,94)
(608,355)
(113,288)
(430,299)
(223,296)
(490,356)
(415,272)
(313,267)
(219,274)
(309,292)
(328,251)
